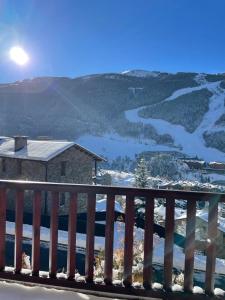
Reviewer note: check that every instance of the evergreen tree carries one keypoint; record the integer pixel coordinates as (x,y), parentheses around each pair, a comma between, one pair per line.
(141,181)
(141,174)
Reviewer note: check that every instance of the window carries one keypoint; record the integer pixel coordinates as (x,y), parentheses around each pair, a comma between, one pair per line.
(63,168)
(3,165)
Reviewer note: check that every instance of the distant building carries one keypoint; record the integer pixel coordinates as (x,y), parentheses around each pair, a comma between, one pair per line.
(201,232)
(195,164)
(46,160)
(217,165)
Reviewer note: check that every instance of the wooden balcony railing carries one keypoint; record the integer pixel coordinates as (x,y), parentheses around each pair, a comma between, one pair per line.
(111,192)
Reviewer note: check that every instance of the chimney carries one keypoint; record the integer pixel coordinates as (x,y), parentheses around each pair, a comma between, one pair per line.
(20,142)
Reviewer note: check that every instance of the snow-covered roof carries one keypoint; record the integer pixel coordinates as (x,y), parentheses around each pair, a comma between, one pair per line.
(161,211)
(42,150)
(101,206)
(141,73)
(203,215)
(220,222)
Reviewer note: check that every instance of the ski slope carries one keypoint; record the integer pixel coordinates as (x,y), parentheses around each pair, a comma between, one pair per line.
(190,143)
(111,145)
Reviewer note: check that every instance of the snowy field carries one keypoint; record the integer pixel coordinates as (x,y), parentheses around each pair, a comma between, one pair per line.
(158,254)
(112,145)
(119,229)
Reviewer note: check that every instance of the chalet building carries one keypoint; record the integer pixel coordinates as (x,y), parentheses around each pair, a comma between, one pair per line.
(217,165)
(195,164)
(201,233)
(46,160)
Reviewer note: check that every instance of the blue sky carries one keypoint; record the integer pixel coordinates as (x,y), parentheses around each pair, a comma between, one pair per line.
(77,37)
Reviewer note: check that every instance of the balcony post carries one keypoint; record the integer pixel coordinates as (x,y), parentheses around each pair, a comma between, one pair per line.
(18,231)
(36,234)
(2,227)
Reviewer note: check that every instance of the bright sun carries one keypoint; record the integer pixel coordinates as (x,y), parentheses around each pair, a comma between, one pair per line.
(18,55)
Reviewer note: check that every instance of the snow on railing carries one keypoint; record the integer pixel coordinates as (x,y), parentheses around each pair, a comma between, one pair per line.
(128,287)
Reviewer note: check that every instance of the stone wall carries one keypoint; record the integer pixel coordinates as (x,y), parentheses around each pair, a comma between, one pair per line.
(30,170)
(78,169)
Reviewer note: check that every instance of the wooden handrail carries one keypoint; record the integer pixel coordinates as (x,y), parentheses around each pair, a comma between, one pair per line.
(115,190)
(130,193)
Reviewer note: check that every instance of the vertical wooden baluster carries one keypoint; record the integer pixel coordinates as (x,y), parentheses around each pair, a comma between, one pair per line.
(72,225)
(169,240)
(128,242)
(90,237)
(189,246)
(18,231)
(109,235)
(2,227)
(53,235)
(211,246)
(148,242)
(36,234)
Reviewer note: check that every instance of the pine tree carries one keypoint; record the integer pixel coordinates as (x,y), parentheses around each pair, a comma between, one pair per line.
(141,181)
(141,174)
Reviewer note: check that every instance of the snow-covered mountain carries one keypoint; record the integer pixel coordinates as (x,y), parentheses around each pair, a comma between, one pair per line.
(122,113)
(141,73)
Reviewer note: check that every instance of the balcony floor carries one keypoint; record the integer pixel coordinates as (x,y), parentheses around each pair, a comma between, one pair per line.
(10,290)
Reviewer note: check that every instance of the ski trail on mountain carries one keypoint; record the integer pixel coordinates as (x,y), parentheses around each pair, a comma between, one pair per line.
(190,143)
(216,110)
(189,90)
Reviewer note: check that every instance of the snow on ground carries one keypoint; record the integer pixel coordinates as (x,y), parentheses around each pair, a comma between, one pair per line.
(215,176)
(200,78)
(161,212)
(190,143)
(10,291)
(158,254)
(63,235)
(121,178)
(101,205)
(119,229)
(189,90)
(179,257)
(196,175)
(141,73)
(112,145)
(216,108)
(189,179)
(45,235)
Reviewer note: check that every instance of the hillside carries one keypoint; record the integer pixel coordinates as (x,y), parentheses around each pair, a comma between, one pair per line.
(118,114)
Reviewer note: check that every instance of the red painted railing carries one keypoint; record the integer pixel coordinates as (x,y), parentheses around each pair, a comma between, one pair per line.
(111,192)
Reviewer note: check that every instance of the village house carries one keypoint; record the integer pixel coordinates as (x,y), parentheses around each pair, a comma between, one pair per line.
(48,161)
(201,227)
(201,233)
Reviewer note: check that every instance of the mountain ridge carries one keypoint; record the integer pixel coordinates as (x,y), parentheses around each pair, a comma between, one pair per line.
(95,106)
